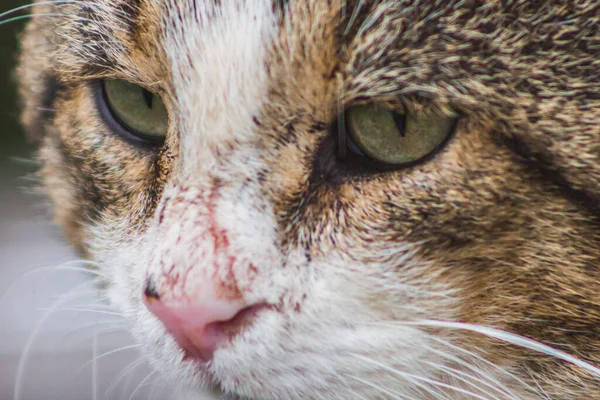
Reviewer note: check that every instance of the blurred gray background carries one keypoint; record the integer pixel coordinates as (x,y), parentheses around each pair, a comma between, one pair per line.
(12,140)
(49,310)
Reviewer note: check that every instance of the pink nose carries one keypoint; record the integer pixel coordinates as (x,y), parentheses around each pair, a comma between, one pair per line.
(199,327)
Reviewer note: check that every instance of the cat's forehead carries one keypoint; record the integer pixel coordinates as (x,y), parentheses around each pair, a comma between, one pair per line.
(116,34)
(151,42)
(381,48)
(217,55)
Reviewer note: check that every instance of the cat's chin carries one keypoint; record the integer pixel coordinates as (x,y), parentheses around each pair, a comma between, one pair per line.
(228,373)
(195,379)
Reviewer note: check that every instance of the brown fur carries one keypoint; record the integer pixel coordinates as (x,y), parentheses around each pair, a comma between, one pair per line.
(507,210)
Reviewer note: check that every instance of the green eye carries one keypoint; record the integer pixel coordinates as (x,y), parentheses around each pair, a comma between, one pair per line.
(393,138)
(138,110)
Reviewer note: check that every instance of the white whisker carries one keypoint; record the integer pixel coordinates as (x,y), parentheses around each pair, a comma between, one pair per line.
(22,17)
(28,345)
(89,310)
(114,328)
(465,378)
(108,353)
(492,381)
(379,389)
(514,339)
(95,366)
(471,355)
(484,361)
(129,368)
(62,267)
(413,377)
(139,387)
(31,5)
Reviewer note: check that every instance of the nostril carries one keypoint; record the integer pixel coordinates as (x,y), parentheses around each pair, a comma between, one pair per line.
(150,290)
(238,322)
(201,344)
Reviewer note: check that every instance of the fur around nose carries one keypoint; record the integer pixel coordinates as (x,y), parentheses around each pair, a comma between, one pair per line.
(197,325)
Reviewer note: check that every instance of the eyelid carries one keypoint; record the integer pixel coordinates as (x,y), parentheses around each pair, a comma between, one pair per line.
(112,122)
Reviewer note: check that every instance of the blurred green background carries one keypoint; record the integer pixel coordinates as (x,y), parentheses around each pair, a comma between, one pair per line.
(13,144)
(16,188)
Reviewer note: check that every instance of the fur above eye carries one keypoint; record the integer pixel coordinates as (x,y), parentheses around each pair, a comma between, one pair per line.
(394,139)
(136,110)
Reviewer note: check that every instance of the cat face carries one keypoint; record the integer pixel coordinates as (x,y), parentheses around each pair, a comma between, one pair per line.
(326,259)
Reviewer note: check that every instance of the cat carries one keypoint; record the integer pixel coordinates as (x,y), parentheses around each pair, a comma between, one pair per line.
(333,199)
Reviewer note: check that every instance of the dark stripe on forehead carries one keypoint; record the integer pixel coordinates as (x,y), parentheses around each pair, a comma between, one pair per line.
(180,9)
(130,13)
(91,42)
(99,25)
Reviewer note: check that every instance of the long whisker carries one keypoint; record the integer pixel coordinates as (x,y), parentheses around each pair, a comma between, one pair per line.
(139,387)
(466,378)
(41,3)
(25,160)
(514,339)
(410,376)
(113,328)
(90,310)
(95,366)
(468,353)
(89,4)
(108,353)
(494,383)
(27,348)
(156,394)
(378,388)
(129,368)
(62,267)
(22,17)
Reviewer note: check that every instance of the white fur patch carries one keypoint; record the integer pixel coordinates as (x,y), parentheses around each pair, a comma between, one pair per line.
(218,62)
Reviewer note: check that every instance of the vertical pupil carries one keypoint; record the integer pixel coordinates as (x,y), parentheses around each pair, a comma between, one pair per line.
(400,120)
(148,97)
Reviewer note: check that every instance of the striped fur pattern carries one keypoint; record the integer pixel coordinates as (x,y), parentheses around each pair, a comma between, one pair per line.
(499,229)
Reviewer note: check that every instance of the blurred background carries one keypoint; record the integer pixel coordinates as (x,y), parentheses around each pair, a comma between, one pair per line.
(75,347)
(11,138)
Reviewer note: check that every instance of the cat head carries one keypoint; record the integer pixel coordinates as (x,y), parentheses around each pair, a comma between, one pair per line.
(333,199)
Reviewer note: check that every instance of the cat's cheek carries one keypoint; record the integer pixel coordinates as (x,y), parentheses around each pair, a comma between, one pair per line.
(57,184)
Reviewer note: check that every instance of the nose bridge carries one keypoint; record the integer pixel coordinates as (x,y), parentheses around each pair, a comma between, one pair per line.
(219,75)
(193,246)
(211,239)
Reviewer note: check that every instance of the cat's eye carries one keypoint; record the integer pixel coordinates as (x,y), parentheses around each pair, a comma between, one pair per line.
(141,112)
(395,139)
